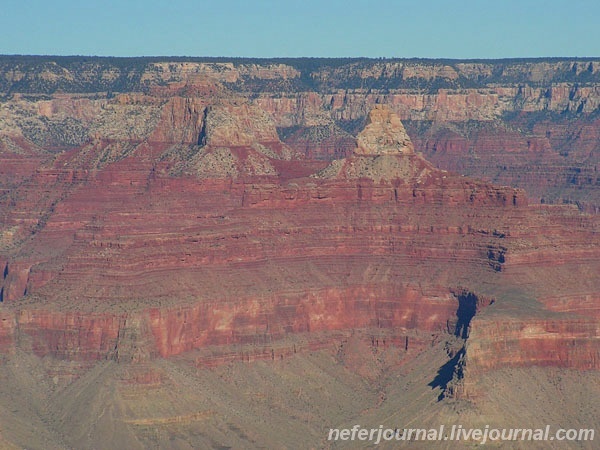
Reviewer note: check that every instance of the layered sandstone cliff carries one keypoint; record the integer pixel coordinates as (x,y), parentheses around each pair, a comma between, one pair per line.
(538,117)
(204,215)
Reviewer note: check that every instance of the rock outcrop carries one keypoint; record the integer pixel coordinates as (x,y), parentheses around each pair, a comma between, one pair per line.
(383,153)
(539,117)
(199,216)
(384,134)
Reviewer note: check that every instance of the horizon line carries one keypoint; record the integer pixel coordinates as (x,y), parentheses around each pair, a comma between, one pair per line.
(324,58)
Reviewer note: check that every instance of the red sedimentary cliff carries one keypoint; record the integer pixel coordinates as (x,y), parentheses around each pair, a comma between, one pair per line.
(183,221)
(552,341)
(530,124)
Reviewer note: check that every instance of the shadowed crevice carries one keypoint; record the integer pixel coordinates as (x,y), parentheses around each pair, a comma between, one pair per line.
(451,371)
(467,308)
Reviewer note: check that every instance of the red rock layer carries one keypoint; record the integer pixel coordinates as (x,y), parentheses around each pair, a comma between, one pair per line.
(554,162)
(245,260)
(558,341)
(129,249)
(221,263)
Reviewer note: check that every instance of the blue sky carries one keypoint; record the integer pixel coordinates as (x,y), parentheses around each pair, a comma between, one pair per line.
(288,28)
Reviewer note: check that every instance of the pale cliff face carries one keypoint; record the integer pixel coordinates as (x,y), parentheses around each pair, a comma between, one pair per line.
(384,134)
(384,152)
(238,125)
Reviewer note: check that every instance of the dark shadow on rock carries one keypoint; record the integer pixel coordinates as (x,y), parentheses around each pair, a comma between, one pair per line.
(451,370)
(467,307)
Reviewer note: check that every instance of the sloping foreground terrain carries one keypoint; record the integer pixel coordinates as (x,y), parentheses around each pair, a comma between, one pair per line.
(209,259)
